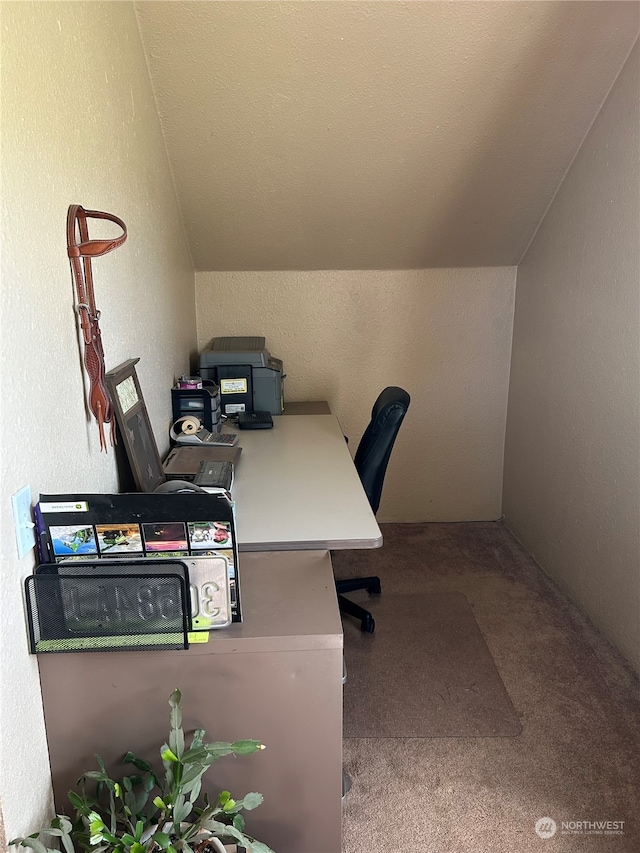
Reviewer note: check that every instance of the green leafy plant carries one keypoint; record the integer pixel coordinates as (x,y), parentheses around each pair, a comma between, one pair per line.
(130,817)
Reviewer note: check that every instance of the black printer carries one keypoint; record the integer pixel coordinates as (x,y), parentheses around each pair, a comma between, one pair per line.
(249,378)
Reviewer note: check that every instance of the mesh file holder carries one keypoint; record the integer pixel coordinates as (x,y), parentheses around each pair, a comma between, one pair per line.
(90,612)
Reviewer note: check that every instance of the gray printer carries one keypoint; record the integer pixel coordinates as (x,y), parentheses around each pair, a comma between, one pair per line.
(250,379)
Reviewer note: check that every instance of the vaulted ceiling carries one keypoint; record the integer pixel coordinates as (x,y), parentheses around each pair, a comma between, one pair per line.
(375,135)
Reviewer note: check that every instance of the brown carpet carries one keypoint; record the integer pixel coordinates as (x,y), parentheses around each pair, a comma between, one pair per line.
(425,672)
(578,755)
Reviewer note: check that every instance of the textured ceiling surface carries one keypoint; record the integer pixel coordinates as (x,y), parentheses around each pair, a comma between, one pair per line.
(375,135)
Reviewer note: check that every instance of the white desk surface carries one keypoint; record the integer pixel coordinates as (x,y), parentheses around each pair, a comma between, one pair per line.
(296,488)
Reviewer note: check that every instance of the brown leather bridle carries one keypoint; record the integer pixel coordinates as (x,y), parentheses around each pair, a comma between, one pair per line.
(99,400)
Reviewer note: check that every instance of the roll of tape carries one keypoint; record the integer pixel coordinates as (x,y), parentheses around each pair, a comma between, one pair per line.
(189,424)
(185,426)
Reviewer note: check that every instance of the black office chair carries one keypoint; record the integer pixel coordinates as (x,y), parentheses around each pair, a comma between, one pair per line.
(371,459)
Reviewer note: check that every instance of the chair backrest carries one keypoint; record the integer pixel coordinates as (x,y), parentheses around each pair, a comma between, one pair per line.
(374,450)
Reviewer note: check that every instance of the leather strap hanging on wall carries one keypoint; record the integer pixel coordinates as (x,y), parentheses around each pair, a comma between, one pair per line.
(80,254)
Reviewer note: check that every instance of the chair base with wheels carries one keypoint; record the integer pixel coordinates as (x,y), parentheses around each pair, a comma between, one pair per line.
(372,585)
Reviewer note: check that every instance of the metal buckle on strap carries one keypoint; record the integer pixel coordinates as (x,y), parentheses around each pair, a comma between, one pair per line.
(94,317)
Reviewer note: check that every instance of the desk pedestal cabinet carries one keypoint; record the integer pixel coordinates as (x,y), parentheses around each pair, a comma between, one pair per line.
(276,677)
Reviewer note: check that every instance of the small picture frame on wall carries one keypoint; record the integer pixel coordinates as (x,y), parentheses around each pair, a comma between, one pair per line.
(134,426)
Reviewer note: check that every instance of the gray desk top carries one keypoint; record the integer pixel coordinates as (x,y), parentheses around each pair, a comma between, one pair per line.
(296,488)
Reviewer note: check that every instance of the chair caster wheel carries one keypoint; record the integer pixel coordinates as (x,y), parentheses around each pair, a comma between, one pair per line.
(368,625)
(374,589)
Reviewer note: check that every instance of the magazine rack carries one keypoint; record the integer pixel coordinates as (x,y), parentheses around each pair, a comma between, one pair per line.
(103,527)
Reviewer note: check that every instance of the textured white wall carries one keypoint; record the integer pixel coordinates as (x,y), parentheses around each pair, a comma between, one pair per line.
(443,335)
(79,125)
(572,464)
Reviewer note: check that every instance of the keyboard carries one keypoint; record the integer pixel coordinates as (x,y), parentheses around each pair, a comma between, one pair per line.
(204,438)
(255,420)
(222,439)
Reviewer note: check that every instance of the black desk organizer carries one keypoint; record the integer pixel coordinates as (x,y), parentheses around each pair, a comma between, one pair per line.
(203,403)
(73,608)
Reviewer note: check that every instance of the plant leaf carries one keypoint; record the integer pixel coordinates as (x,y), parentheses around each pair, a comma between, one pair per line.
(198,738)
(67,843)
(251,801)
(35,844)
(217,828)
(140,763)
(175,717)
(198,753)
(176,735)
(98,775)
(217,750)
(194,771)
(246,747)
(108,836)
(193,789)
(176,741)
(141,801)
(131,802)
(62,822)
(231,831)
(258,846)
(162,839)
(78,802)
(181,810)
